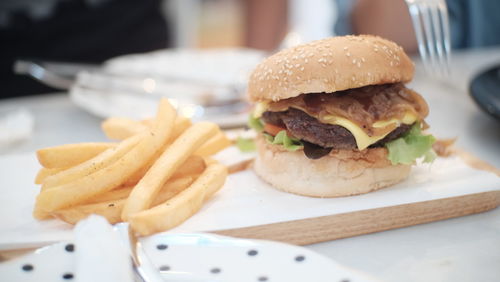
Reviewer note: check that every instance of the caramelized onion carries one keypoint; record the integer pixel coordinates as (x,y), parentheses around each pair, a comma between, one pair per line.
(363,106)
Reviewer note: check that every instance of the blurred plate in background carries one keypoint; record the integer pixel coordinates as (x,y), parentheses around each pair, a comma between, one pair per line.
(207,84)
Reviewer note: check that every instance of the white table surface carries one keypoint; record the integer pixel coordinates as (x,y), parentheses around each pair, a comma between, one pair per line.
(460,249)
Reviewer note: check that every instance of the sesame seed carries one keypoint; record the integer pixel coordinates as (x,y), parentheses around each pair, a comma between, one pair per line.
(348,54)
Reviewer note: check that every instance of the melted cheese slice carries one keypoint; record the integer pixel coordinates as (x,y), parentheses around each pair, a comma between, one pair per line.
(259,109)
(408,118)
(363,140)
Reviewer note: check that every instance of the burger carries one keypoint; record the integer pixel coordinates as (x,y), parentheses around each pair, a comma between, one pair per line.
(334,117)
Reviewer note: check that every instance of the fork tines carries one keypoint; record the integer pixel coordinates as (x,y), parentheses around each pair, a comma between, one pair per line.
(430,21)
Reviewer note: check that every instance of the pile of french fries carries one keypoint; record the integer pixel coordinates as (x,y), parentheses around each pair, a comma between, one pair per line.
(158,175)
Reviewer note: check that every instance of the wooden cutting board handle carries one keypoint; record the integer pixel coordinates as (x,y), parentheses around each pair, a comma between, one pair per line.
(331,227)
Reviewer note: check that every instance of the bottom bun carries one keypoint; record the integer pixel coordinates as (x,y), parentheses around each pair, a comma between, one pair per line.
(341,173)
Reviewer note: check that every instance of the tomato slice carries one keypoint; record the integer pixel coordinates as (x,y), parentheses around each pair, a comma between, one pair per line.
(272,129)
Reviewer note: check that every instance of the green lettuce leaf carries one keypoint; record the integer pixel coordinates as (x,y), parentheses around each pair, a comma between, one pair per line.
(411,146)
(255,123)
(290,144)
(245,144)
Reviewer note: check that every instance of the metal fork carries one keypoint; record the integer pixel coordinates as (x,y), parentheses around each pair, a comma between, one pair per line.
(143,267)
(432,29)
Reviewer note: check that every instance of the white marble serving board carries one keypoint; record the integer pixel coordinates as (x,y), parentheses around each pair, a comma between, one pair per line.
(244,200)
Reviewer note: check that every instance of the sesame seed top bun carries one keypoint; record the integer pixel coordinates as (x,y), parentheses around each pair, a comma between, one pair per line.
(329,65)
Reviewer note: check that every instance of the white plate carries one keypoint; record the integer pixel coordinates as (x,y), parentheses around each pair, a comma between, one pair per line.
(204,257)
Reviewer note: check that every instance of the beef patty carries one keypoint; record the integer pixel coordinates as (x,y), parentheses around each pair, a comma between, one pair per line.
(309,129)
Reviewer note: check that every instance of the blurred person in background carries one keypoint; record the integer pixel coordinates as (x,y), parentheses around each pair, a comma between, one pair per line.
(473,23)
(266,23)
(84,31)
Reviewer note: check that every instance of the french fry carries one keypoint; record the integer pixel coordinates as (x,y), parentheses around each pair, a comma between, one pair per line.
(122,128)
(113,195)
(69,155)
(134,178)
(182,206)
(148,122)
(181,124)
(110,210)
(214,145)
(113,175)
(111,207)
(46,172)
(172,188)
(94,164)
(144,192)
(66,156)
(192,166)
(210,160)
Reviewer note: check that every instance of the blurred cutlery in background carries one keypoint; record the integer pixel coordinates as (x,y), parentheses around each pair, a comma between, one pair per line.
(208,84)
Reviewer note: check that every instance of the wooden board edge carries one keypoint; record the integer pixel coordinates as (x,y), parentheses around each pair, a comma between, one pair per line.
(332,227)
